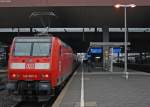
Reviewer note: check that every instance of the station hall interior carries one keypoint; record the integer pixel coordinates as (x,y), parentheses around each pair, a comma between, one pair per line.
(111,48)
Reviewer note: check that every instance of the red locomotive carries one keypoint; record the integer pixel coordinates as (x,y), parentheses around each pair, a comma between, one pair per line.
(37,66)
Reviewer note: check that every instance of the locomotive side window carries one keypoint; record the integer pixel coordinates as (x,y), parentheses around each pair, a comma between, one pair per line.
(41,49)
(22,49)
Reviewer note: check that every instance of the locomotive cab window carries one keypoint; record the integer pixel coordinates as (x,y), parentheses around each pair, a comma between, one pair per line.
(32,48)
(22,49)
(41,49)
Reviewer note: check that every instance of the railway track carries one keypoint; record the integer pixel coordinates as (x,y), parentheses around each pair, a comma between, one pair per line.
(28,104)
(138,67)
(3,79)
(35,103)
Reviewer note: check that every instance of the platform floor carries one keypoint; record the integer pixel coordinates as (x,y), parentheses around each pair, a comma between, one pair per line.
(106,89)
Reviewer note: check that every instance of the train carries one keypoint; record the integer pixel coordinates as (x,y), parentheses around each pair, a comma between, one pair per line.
(38,67)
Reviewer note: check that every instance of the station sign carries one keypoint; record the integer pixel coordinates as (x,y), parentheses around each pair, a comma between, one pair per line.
(116,50)
(96,50)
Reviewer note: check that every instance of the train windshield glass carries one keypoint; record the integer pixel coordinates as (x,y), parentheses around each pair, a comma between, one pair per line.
(32,49)
(22,49)
(41,49)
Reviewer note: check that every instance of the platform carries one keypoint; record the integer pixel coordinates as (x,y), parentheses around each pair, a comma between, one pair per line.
(106,89)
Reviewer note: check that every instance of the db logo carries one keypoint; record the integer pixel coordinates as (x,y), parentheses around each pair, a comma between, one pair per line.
(30,66)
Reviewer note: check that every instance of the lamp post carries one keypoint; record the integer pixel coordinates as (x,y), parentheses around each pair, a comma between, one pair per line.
(125,34)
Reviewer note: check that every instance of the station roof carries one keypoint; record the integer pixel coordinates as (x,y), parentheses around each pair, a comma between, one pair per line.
(95,16)
(74,13)
(79,14)
(31,3)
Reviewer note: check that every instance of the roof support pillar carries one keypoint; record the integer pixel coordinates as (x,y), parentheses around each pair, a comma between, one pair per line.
(105,30)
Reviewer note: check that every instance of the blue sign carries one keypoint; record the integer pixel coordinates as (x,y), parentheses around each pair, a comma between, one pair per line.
(96,50)
(88,55)
(116,50)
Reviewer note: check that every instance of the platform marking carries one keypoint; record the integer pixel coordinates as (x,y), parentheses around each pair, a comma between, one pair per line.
(82,89)
(127,75)
(87,104)
(63,93)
